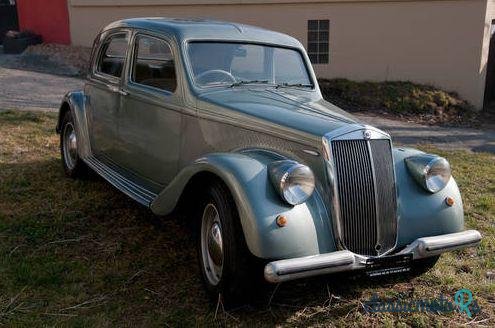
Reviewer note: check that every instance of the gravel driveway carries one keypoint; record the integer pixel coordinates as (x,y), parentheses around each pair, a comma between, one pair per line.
(28,90)
(408,133)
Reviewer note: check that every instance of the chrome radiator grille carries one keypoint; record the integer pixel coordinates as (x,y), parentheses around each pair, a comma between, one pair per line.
(366,195)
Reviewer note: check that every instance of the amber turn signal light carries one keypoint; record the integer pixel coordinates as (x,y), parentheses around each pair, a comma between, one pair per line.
(281,221)
(449,201)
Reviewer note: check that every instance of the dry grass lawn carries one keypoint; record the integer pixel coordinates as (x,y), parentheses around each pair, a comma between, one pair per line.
(79,253)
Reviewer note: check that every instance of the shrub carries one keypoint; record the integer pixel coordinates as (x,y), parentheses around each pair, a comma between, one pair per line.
(394,97)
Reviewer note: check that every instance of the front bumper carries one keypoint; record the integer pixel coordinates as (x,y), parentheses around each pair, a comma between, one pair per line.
(302,267)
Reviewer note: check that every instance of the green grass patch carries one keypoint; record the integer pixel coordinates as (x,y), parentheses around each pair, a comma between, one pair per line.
(14,117)
(81,254)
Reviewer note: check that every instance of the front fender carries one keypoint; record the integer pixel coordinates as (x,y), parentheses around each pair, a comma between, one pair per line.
(421,213)
(308,230)
(76,102)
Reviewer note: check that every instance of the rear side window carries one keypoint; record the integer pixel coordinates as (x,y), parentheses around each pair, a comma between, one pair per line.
(112,55)
(154,64)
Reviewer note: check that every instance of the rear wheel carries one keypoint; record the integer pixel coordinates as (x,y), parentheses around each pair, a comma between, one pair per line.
(73,165)
(223,255)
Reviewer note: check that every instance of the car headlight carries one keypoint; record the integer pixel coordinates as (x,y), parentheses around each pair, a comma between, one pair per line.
(430,171)
(294,182)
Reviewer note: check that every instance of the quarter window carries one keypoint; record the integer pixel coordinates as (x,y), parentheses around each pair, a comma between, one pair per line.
(154,64)
(112,57)
(318,41)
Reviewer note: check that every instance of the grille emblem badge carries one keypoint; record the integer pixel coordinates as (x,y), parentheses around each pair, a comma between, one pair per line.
(367,134)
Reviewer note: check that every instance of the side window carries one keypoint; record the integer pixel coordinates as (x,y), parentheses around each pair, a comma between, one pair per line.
(154,64)
(112,55)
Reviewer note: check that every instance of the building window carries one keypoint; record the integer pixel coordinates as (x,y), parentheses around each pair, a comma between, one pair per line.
(318,36)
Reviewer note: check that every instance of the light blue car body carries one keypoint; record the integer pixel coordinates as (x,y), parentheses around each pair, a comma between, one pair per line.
(234,134)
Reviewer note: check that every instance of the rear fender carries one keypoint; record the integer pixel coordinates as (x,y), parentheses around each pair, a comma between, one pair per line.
(76,103)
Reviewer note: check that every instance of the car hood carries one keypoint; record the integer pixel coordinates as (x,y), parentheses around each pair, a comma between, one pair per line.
(291,108)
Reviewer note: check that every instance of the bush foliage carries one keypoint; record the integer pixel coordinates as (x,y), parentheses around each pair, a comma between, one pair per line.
(395,97)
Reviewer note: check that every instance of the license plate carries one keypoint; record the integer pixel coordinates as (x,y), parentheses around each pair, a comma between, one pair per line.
(382,266)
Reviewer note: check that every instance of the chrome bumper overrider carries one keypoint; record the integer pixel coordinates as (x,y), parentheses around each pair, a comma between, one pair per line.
(290,269)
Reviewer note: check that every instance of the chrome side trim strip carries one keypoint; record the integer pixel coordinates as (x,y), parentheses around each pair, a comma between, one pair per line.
(303,267)
(136,192)
(118,176)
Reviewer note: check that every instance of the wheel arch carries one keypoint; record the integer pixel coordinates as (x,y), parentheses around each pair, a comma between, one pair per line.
(194,186)
(64,108)
(75,102)
(258,205)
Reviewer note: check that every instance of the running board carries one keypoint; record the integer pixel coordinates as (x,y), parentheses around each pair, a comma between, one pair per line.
(136,192)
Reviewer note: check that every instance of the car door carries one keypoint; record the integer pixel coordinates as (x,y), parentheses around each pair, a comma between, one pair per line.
(150,114)
(103,92)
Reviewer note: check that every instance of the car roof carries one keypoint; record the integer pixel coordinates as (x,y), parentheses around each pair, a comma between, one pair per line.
(204,29)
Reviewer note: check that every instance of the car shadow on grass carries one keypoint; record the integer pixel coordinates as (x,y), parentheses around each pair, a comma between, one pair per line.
(88,251)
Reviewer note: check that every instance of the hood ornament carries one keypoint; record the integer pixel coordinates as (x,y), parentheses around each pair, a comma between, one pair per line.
(367,134)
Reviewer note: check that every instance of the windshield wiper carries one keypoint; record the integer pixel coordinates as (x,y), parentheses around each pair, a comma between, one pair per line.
(294,85)
(239,83)
(279,85)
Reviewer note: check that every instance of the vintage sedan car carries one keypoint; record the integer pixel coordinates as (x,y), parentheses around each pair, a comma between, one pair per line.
(228,121)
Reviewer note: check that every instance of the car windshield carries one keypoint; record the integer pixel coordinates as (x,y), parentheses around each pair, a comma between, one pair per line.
(235,64)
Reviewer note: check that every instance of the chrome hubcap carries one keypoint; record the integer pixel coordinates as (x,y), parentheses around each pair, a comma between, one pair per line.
(69,143)
(212,244)
(215,246)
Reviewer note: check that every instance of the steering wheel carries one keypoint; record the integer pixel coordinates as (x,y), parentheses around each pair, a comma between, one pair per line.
(209,76)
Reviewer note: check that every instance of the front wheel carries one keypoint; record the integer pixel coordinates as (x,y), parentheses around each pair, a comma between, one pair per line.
(222,250)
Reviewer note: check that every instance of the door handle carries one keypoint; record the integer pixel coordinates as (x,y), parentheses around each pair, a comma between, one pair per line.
(118,90)
(113,89)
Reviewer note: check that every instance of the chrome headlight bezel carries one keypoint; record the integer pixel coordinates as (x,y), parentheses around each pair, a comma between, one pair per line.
(432,172)
(293,181)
